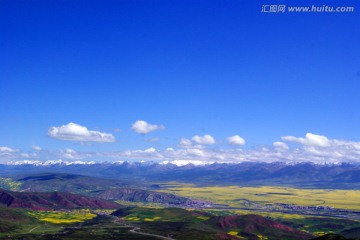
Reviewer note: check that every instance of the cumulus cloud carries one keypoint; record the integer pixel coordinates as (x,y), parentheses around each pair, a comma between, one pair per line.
(36,148)
(4,149)
(310,140)
(69,154)
(310,148)
(236,140)
(144,127)
(334,151)
(150,150)
(319,148)
(8,153)
(76,132)
(184,142)
(149,153)
(206,139)
(280,145)
(66,154)
(25,155)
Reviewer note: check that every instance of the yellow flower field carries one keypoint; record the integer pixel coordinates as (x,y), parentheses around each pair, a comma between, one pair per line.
(235,196)
(59,217)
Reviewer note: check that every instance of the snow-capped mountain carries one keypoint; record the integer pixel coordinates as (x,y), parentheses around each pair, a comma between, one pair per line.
(344,175)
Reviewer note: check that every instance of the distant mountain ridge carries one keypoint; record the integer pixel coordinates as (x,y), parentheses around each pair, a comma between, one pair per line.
(178,163)
(65,182)
(138,195)
(342,175)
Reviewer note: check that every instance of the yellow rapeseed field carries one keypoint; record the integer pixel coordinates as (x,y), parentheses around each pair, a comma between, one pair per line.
(236,196)
(60,217)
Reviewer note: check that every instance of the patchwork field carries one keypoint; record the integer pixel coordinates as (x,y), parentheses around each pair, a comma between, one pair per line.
(176,222)
(235,196)
(60,217)
(165,215)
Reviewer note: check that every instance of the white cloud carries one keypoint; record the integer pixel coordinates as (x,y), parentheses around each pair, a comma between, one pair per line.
(25,155)
(310,140)
(150,150)
(36,148)
(195,152)
(8,153)
(206,139)
(76,132)
(150,153)
(69,154)
(236,140)
(313,148)
(184,142)
(144,127)
(317,148)
(280,145)
(7,150)
(334,151)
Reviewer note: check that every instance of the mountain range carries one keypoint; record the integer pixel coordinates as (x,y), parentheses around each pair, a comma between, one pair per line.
(305,175)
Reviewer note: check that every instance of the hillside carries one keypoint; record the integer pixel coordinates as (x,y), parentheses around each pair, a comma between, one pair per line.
(138,195)
(51,201)
(252,226)
(10,219)
(185,224)
(332,236)
(91,186)
(180,224)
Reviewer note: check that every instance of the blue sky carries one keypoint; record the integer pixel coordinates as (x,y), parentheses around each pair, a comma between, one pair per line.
(218,68)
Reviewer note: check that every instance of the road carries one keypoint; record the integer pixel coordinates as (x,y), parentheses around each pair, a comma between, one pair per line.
(136,230)
(33,229)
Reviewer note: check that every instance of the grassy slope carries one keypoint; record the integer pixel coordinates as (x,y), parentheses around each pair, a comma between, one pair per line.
(15,222)
(184,224)
(175,222)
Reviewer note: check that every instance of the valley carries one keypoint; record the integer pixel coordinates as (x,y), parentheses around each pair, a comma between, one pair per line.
(270,199)
(72,206)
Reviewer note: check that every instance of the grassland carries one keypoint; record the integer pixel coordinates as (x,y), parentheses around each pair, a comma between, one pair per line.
(140,204)
(141,214)
(16,222)
(60,217)
(235,196)
(256,200)
(275,215)
(176,222)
